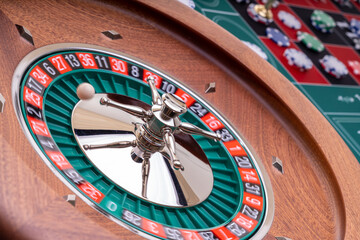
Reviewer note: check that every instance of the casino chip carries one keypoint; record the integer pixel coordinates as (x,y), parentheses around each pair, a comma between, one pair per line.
(189,3)
(256,49)
(322,21)
(252,13)
(310,41)
(355,67)
(255,16)
(275,4)
(289,20)
(355,26)
(278,37)
(342,2)
(333,66)
(298,59)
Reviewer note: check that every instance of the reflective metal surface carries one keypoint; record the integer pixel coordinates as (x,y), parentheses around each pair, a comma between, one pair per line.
(25,33)
(156,134)
(95,124)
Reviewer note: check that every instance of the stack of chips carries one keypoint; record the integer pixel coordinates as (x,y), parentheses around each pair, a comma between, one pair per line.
(355,67)
(189,3)
(298,59)
(289,20)
(322,21)
(342,2)
(278,37)
(355,26)
(257,17)
(256,49)
(310,41)
(333,66)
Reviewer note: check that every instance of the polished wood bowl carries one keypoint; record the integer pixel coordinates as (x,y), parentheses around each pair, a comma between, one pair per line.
(317,196)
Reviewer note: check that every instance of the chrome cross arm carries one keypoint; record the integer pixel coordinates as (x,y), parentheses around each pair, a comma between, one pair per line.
(192,129)
(122,144)
(134,110)
(169,140)
(156,98)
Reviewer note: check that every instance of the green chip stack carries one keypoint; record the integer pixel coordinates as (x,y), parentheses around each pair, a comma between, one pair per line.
(310,41)
(322,21)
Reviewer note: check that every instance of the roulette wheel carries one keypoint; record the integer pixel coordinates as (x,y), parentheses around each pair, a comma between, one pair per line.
(162,125)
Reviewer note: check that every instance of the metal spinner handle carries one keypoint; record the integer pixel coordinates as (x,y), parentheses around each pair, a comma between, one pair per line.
(156,133)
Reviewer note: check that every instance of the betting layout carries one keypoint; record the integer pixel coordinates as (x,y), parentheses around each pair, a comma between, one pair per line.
(315,44)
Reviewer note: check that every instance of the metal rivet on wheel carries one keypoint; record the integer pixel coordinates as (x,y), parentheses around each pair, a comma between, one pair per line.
(113,35)
(2,103)
(210,87)
(277,163)
(25,33)
(70,198)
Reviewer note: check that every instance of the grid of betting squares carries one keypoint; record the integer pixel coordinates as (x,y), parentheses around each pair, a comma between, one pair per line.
(341,42)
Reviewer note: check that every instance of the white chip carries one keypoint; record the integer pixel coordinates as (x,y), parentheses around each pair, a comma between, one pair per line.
(333,66)
(355,66)
(298,58)
(189,3)
(256,49)
(289,20)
